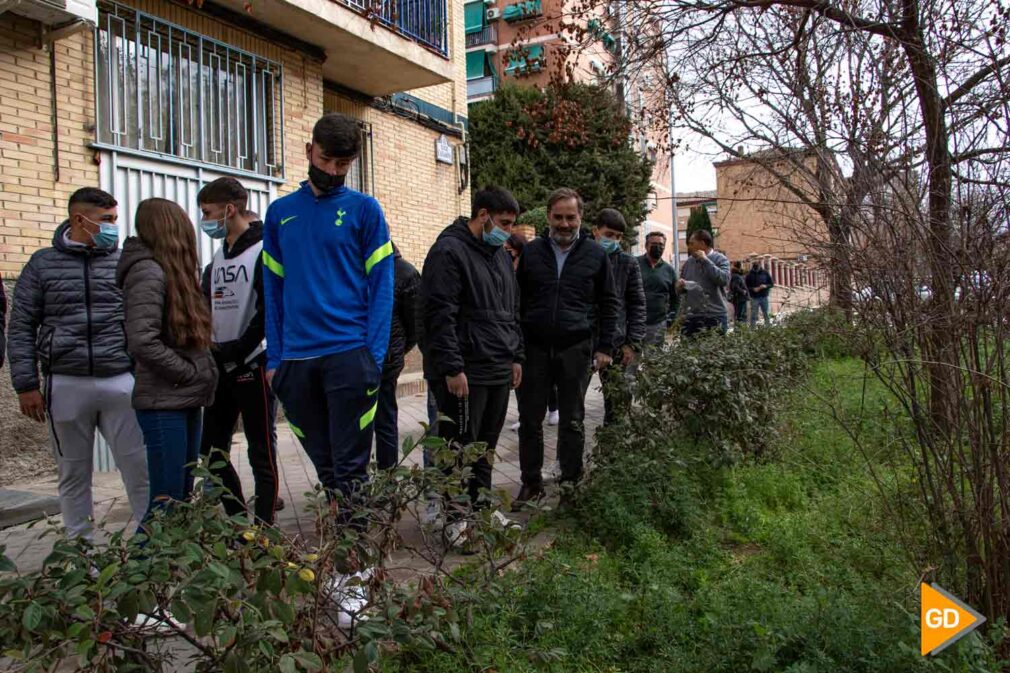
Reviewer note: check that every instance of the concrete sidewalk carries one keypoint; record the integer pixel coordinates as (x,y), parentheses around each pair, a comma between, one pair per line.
(298,477)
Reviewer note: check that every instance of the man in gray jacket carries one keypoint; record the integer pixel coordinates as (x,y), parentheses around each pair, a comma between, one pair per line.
(68,317)
(702,282)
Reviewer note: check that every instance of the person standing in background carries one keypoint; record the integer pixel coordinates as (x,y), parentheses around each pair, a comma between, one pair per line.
(233,286)
(68,317)
(738,295)
(659,281)
(168,334)
(402,339)
(704,278)
(759,284)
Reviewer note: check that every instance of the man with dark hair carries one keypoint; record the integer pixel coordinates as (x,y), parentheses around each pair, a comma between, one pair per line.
(233,284)
(565,279)
(402,339)
(473,344)
(738,295)
(703,282)
(659,280)
(608,232)
(328,285)
(68,316)
(759,286)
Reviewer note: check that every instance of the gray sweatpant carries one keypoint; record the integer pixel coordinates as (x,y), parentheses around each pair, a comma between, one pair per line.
(77,406)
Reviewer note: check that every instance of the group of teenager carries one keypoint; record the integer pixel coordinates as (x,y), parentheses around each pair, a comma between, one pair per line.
(314,307)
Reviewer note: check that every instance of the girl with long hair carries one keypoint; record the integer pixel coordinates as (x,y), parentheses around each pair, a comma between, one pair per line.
(168,332)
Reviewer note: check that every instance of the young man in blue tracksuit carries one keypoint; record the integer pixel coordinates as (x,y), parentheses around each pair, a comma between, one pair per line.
(328,282)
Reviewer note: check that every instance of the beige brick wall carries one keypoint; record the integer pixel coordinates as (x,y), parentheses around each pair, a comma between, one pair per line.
(32,203)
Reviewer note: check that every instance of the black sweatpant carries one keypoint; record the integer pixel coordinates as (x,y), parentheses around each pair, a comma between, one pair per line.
(569,369)
(477,418)
(330,403)
(387,433)
(247,395)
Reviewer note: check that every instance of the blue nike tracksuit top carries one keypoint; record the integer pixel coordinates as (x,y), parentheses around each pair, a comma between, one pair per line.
(328,284)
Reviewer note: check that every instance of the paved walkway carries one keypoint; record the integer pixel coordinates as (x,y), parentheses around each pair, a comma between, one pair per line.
(298,477)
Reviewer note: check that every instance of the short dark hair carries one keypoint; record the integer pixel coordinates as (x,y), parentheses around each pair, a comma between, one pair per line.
(611,219)
(563,194)
(653,234)
(338,135)
(225,190)
(516,242)
(92,196)
(702,235)
(494,200)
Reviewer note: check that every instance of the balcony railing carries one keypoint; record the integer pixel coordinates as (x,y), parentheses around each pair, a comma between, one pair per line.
(487,36)
(482,87)
(424,21)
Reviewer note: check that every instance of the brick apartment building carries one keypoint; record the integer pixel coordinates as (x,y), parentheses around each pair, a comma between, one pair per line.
(154,98)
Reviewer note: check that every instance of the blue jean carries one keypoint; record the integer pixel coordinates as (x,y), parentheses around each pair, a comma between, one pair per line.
(173,446)
(755,304)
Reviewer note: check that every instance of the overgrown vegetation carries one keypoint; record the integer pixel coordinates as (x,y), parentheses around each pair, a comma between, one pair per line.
(673,561)
(535,140)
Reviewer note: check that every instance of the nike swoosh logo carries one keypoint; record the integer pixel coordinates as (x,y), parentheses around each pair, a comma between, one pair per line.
(287,219)
(372,391)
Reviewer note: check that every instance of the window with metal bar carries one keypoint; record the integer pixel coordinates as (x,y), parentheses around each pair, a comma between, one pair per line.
(167,90)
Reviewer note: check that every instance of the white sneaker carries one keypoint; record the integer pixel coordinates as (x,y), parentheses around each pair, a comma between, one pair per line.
(502,521)
(455,534)
(432,512)
(515,426)
(166,624)
(351,599)
(553,418)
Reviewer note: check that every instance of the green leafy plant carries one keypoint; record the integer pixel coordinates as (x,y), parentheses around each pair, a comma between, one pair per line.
(253,598)
(699,220)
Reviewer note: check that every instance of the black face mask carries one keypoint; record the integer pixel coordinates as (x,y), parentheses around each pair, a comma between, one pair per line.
(323,181)
(655,252)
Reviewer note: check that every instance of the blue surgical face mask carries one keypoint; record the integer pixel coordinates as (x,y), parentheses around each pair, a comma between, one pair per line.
(496,237)
(610,246)
(214,228)
(107,236)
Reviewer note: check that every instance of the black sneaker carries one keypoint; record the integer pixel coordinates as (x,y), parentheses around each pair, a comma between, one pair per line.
(526,494)
(279,504)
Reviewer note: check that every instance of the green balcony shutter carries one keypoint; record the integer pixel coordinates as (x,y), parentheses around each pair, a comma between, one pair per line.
(473,17)
(475,64)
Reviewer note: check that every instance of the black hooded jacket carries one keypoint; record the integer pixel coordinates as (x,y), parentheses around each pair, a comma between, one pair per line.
(559,312)
(403,328)
(470,309)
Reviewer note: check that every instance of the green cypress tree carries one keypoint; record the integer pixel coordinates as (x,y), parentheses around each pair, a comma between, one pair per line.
(699,219)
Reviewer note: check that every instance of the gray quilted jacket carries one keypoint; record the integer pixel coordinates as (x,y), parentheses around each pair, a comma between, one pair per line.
(167,377)
(67,315)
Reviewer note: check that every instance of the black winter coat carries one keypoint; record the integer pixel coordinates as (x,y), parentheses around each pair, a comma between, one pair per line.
(167,377)
(631,296)
(756,277)
(560,312)
(470,309)
(67,315)
(403,328)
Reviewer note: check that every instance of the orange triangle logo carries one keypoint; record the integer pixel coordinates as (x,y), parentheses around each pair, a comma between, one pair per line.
(943,619)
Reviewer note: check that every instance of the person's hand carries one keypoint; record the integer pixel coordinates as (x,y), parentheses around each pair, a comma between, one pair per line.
(682,284)
(270,377)
(627,355)
(517,375)
(32,405)
(601,361)
(457,385)
(699,254)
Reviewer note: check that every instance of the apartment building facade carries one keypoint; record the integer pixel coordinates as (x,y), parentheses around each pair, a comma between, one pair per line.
(155,98)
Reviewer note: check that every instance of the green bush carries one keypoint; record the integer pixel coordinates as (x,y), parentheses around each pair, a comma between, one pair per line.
(822,332)
(534,217)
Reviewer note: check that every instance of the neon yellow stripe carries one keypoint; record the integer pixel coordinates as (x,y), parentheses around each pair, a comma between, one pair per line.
(295,429)
(368,417)
(273,264)
(382,253)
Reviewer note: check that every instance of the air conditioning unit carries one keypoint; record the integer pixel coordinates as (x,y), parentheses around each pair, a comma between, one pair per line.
(57,12)
(597,66)
(492,14)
